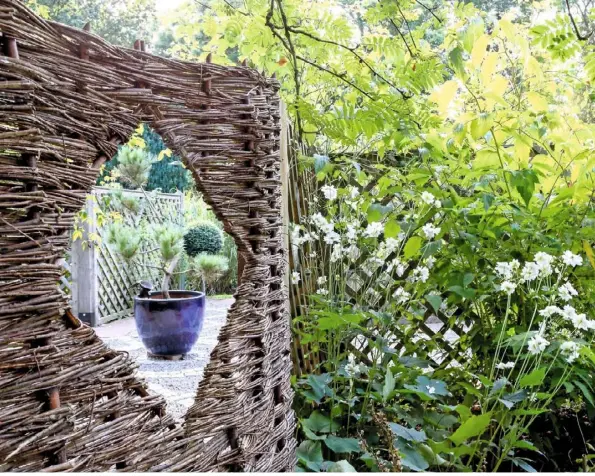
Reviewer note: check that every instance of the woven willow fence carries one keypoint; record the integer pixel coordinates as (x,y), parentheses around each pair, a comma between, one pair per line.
(102,284)
(67,401)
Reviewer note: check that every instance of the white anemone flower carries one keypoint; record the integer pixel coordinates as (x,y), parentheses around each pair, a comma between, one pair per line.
(508,287)
(570,259)
(401,296)
(530,272)
(295,277)
(430,231)
(330,192)
(537,344)
(567,291)
(374,229)
(507,365)
(421,273)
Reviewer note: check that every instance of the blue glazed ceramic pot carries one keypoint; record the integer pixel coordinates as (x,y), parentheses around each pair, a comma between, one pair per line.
(169,326)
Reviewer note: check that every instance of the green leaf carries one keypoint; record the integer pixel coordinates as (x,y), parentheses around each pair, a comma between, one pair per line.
(317,422)
(342,445)
(391,229)
(585,391)
(342,466)
(488,199)
(312,436)
(534,378)
(389,385)
(435,301)
(320,388)
(310,454)
(412,247)
(408,434)
(474,426)
(457,61)
(337,321)
(411,457)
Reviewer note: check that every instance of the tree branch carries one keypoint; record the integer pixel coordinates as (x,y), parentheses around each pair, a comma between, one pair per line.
(574,25)
(402,36)
(406,23)
(430,10)
(355,53)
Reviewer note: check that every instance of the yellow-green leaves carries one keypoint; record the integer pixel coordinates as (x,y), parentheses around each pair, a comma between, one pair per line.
(537,102)
(444,95)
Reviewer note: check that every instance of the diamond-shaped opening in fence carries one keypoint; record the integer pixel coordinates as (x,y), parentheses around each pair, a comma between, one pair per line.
(434,323)
(370,267)
(372,296)
(354,281)
(438,355)
(464,326)
(451,311)
(419,335)
(451,337)
(454,364)
(359,342)
(385,280)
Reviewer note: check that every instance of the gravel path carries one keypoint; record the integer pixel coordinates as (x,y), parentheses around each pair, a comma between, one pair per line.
(176,381)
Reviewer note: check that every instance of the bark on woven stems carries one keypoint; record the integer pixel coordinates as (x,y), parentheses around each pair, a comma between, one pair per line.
(66,400)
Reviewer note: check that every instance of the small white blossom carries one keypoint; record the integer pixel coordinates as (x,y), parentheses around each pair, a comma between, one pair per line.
(295,277)
(313,254)
(322,291)
(421,273)
(529,272)
(544,262)
(351,233)
(353,252)
(507,287)
(567,291)
(537,344)
(373,230)
(353,192)
(330,192)
(570,350)
(430,231)
(332,237)
(321,280)
(431,389)
(401,296)
(429,199)
(430,261)
(507,365)
(550,311)
(506,270)
(570,259)
(337,253)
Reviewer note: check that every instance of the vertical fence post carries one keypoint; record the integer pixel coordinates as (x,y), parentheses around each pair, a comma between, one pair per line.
(85,279)
(285,187)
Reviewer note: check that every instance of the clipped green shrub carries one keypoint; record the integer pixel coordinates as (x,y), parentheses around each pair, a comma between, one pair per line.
(205,238)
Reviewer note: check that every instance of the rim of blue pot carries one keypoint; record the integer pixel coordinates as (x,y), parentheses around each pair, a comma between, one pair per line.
(195,294)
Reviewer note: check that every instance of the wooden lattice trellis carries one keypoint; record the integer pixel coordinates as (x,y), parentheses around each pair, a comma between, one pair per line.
(67,401)
(103,290)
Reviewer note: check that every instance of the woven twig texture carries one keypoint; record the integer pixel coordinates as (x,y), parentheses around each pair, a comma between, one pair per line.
(67,402)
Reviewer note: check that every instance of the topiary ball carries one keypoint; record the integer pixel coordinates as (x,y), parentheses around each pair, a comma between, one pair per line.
(205,238)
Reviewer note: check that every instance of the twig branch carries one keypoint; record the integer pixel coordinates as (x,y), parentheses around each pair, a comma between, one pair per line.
(355,53)
(574,25)
(236,8)
(408,26)
(288,44)
(336,75)
(430,10)
(402,36)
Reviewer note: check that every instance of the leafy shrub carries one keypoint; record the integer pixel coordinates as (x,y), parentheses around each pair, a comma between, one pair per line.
(205,238)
